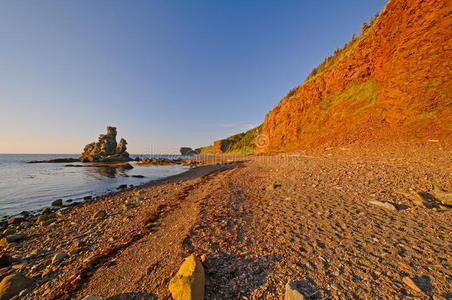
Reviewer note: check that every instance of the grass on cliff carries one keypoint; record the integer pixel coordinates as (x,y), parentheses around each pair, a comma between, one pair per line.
(337,56)
(429,119)
(206,150)
(241,143)
(244,143)
(353,95)
(340,53)
(335,114)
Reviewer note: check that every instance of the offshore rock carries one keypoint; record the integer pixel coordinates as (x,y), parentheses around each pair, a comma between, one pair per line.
(106,149)
(187,151)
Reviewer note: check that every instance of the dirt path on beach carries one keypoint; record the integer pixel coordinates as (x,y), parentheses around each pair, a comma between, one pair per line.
(259,223)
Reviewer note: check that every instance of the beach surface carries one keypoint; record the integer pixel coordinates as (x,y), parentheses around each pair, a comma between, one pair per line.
(313,217)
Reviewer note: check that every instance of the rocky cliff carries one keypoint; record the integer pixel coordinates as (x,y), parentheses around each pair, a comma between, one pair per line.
(393,81)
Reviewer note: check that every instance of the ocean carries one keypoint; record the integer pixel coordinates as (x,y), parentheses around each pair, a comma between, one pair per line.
(31,187)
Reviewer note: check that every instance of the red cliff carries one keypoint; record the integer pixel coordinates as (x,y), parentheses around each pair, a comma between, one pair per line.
(395,80)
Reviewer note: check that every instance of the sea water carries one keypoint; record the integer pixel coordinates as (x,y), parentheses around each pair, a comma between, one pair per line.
(30,187)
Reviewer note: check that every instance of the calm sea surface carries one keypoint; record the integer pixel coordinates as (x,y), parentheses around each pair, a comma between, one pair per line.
(34,186)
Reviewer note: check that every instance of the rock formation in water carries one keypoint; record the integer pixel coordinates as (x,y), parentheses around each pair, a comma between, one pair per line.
(106,149)
(187,151)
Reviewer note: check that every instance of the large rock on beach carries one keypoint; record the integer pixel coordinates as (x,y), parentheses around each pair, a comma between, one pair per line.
(106,149)
(59,257)
(11,285)
(13,238)
(292,293)
(5,260)
(189,281)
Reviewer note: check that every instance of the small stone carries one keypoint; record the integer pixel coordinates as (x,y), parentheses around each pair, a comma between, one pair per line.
(45,219)
(73,252)
(271,187)
(385,205)
(15,237)
(46,211)
(99,215)
(411,284)
(122,187)
(292,293)
(127,206)
(19,266)
(58,202)
(15,220)
(91,297)
(9,231)
(59,257)
(189,281)
(11,285)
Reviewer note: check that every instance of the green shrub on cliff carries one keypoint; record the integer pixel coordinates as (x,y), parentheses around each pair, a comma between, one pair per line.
(206,150)
(244,143)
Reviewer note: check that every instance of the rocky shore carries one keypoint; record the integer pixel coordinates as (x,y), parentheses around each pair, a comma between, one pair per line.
(336,223)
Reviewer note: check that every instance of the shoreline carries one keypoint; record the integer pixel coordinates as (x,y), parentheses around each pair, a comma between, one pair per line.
(90,196)
(259,221)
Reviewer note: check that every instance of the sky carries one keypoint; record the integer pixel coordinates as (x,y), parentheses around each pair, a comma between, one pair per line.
(165,73)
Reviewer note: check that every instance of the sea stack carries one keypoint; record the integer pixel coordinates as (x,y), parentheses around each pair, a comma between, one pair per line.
(106,149)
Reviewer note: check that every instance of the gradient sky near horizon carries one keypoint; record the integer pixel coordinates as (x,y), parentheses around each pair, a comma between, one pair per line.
(165,73)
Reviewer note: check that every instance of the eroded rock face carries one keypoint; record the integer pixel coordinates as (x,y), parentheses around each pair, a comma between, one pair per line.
(106,149)
(400,72)
(221,146)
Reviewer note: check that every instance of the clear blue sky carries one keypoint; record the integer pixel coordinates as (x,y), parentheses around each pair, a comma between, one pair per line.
(166,73)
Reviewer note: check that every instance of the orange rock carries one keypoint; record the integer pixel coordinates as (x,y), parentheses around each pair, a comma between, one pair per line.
(393,83)
(189,281)
(411,284)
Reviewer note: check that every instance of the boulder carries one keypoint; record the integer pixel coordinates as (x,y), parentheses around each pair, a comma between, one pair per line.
(46,211)
(411,284)
(11,285)
(106,149)
(121,148)
(185,150)
(189,281)
(292,293)
(45,218)
(58,202)
(11,240)
(5,260)
(59,257)
(444,197)
(99,215)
